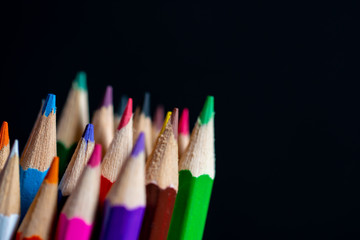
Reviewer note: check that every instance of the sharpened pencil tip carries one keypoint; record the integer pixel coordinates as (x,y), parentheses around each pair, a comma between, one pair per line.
(95,158)
(208,110)
(4,135)
(126,115)
(175,122)
(167,118)
(108,97)
(49,105)
(14,149)
(184,122)
(159,116)
(139,145)
(80,81)
(122,105)
(88,134)
(146,105)
(52,175)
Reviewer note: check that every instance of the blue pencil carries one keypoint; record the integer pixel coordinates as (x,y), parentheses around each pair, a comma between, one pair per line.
(38,154)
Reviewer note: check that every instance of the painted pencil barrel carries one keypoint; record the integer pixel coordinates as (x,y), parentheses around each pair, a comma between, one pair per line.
(122,223)
(30,182)
(8,226)
(105,185)
(74,228)
(64,154)
(158,216)
(190,211)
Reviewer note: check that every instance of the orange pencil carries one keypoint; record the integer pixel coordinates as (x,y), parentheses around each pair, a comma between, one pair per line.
(4,144)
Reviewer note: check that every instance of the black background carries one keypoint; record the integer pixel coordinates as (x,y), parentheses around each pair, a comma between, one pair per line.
(284,76)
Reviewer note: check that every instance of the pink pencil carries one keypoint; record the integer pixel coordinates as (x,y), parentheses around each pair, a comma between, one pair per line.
(78,215)
(184,132)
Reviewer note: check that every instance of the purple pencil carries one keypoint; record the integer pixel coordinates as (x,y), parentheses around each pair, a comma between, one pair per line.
(125,202)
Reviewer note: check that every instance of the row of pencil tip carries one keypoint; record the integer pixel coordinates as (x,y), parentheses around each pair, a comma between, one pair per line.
(122,176)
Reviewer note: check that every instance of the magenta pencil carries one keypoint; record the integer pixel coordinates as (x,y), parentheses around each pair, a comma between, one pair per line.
(77,217)
(184,131)
(125,203)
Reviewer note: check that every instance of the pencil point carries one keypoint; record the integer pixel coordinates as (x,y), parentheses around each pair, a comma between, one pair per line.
(4,135)
(146,105)
(139,145)
(49,105)
(175,122)
(159,116)
(95,158)
(14,149)
(168,115)
(108,97)
(52,175)
(88,134)
(122,105)
(127,114)
(80,81)
(208,110)
(184,122)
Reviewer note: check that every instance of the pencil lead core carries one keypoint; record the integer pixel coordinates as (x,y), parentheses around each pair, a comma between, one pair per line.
(126,115)
(95,158)
(108,97)
(14,149)
(174,122)
(80,81)
(49,105)
(184,122)
(122,105)
(207,111)
(159,116)
(139,145)
(53,174)
(88,134)
(168,115)
(146,105)
(4,135)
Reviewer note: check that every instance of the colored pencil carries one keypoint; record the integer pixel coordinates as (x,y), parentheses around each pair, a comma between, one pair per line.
(39,220)
(144,124)
(37,158)
(120,111)
(73,119)
(157,123)
(118,152)
(103,121)
(10,195)
(161,181)
(125,203)
(77,164)
(184,132)
(4,144)
(77,216)
(196,176)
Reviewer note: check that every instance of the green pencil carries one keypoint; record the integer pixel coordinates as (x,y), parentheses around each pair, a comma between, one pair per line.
(73,119)
(196,177)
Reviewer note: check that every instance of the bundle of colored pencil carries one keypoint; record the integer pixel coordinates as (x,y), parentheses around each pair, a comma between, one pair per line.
(142,179)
